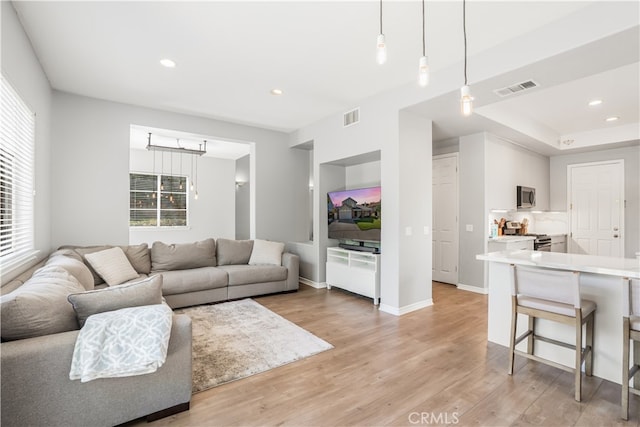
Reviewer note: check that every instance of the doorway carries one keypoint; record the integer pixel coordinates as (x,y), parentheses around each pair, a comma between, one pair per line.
(445,218)
(595,198)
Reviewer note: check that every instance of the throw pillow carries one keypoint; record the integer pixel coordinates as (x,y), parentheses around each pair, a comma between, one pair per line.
(82,251)
(265,252)
(183,256)
(39,307)
(75,267)
(145,292)
(233,252)
(112,265)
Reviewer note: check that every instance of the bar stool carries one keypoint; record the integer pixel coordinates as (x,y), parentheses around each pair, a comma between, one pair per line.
(630,331)
(552,295)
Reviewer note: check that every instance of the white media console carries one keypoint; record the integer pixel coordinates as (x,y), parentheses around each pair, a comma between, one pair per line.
(354,271)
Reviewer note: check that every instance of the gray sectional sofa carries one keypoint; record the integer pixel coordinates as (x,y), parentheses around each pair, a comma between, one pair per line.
(36,352)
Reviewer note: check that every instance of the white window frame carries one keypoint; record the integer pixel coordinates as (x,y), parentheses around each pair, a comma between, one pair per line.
(158,209)
(17,146)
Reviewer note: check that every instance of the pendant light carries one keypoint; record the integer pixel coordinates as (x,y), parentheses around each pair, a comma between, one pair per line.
(423,64)
(381,46)
(180,159)
(195,196)
(466,100)
(191,186)
(153,195)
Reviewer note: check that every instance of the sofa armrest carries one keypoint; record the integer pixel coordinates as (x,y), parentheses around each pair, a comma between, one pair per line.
(36,389)
(292,262)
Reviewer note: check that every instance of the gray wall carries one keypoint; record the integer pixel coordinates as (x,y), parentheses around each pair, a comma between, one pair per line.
(631,157)
(90,166)
(21,68)
(472,209)
(243,201)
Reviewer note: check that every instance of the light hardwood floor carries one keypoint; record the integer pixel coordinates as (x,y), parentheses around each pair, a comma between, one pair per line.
(432,366)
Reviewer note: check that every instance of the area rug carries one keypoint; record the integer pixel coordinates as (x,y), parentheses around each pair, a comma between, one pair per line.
(236,339)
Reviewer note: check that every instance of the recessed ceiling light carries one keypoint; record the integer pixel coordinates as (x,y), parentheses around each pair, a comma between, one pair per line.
(595,102)
(612,118)
(168,63)
(276,91)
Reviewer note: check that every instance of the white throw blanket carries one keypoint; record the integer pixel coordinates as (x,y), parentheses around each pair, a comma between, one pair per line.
(121,343)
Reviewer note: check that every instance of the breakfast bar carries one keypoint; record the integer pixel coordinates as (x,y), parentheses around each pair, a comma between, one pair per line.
(600,281)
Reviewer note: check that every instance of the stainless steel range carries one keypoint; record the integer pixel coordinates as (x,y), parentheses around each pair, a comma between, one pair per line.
(542,242)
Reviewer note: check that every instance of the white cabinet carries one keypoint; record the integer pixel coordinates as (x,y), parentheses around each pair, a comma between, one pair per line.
(357,272)
(510,244)
(559,243)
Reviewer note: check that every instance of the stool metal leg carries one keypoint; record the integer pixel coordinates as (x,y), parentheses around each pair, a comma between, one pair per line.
(625,370)
(588,364)
(578,356)
(512,336)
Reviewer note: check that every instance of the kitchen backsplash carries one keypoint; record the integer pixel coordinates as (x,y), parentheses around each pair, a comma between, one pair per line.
(539,222)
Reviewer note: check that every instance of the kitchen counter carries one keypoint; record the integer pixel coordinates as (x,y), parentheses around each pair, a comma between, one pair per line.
(600,281)
(511,238)
(621,267)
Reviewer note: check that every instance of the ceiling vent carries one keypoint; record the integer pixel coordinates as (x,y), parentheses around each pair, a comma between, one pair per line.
(518,87)
(351,117)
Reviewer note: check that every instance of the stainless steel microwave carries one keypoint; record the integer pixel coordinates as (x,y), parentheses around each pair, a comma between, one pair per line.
(526,197)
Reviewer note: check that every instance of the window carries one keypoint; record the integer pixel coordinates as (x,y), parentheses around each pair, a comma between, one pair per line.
(17,146)
(144,192)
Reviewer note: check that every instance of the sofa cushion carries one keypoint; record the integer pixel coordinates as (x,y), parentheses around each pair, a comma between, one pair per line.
(230,252)
(112,265)
(183,256)
(75,267)
(192,280)
(247,274)
(138,256)
(68,253)
(145,292)
(266,252)
(39,307)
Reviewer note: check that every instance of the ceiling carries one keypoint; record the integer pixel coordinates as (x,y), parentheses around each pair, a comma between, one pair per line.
(230,55)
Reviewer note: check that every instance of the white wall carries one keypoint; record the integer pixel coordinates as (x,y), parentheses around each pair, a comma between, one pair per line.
(212,215)
(90,170)
(21,68)
(363,175)
(631,157)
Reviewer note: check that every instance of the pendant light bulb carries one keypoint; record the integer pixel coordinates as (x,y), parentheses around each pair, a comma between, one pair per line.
(196,195)
(423,71)
(381,50)
(466,101)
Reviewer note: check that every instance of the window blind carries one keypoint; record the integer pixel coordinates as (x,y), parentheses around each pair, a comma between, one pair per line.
(17,147)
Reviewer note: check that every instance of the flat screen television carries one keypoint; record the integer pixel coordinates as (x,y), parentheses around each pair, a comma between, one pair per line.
(354,215)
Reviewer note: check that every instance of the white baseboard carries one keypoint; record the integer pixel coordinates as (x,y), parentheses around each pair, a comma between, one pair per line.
(407,308)
(475,289)
(308,282)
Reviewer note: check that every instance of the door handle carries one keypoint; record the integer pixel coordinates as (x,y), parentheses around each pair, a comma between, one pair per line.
(615,236)
(615,228)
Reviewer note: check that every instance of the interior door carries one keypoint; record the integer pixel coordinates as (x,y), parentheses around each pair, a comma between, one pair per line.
(445,218)
(596,205)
